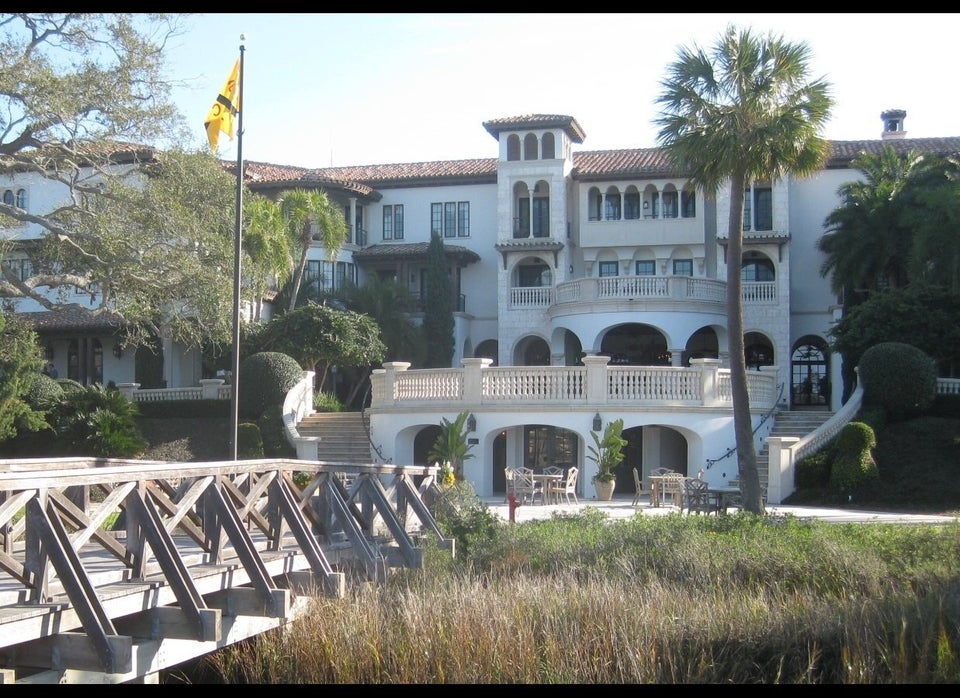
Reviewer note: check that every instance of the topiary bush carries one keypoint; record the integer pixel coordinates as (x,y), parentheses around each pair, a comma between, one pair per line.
(900,378)
(249,443)
(275,443)
(854,463)
(813,471)
(874,415)
(265,379)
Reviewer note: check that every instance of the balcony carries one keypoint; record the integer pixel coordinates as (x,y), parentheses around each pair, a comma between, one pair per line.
(595,386)
(624,292)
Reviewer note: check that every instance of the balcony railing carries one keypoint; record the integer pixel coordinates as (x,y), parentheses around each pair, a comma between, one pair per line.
(591,386)
(639,288)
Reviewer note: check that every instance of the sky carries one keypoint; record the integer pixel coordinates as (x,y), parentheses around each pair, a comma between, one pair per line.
(340,89)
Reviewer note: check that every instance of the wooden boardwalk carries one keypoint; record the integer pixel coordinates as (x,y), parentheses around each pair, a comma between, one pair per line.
(111,570)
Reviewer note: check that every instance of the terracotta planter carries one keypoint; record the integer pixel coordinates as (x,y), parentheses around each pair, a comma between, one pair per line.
(605,490)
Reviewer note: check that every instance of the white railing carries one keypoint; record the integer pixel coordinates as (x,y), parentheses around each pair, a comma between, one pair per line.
(592,386)
(531,296)
(209,389)
(948,386)
(550,384)
(759,292)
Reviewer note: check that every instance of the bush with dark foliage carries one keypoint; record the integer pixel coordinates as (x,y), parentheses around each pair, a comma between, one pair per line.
(265,379)
(900,378)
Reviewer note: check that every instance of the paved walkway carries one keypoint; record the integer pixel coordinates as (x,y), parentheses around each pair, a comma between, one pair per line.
(622,507)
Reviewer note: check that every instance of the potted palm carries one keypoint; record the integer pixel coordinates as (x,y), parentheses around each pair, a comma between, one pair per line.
(452,447)
(607,453)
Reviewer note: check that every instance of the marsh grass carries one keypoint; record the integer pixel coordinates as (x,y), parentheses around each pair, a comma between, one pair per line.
(670,599)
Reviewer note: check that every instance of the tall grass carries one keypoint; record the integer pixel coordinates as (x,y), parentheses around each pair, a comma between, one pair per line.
(669,599)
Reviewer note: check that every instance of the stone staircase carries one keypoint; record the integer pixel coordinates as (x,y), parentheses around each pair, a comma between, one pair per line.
(343,436)
(796,423)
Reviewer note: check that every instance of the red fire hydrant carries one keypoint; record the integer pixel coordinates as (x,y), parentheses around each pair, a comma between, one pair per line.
(512,504)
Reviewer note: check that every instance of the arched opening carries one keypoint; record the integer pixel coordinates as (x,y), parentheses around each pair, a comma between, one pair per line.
(530,147)
(533,351)
(757,351)
(572,349)
(549,146)
(612,205)
(488,349)
(670,200)
(533,273)
(637,345)
(423,443)
(703,344)
(809,373)
(594,204)
(756,267)
(513,147)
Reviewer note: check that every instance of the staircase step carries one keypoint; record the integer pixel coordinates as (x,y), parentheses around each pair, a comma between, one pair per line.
(342,436)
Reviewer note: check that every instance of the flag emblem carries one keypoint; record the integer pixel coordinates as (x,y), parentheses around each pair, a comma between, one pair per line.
(225,108)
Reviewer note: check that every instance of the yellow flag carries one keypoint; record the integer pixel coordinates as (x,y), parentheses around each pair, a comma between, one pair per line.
(224,109)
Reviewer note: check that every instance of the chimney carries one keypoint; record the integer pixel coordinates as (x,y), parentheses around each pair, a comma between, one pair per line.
(893,124)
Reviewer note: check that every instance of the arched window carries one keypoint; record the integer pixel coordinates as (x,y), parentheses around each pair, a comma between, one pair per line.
(513,147)
(611,205)
(809,374)
(757,269)
(670,203)
(534,274)
(594,204)
(22,199)
(688,203)
(8,197)
(530,147)
(631,204)
(549,146)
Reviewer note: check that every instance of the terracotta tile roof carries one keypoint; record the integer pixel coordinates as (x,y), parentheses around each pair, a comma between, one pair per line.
(589,165)
(843,152)
(569,125)
(72,320)
(605,164)
(365,180)
(413,250)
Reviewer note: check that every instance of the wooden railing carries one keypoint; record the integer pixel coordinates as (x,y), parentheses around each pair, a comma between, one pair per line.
(108,566)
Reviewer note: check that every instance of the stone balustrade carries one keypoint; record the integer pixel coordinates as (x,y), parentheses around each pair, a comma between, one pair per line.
(594,385)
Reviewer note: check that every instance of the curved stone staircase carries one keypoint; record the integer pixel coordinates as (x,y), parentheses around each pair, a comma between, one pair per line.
(796,423)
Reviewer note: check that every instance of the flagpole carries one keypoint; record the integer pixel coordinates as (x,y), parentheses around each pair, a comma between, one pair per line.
(235,378)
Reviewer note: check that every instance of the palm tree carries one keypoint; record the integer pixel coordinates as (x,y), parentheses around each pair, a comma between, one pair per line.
(868,239)
(301,209)
(452,445)
(267,246)
(743,111)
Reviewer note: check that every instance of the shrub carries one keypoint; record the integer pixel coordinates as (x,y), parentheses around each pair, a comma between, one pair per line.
(265,379)
(327,402)
(95,421)
(874,415)
(813,471)
(249,443)
(854,461)
(44,393)
(70,386)
(275,443)
(946,406)
(900,378)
